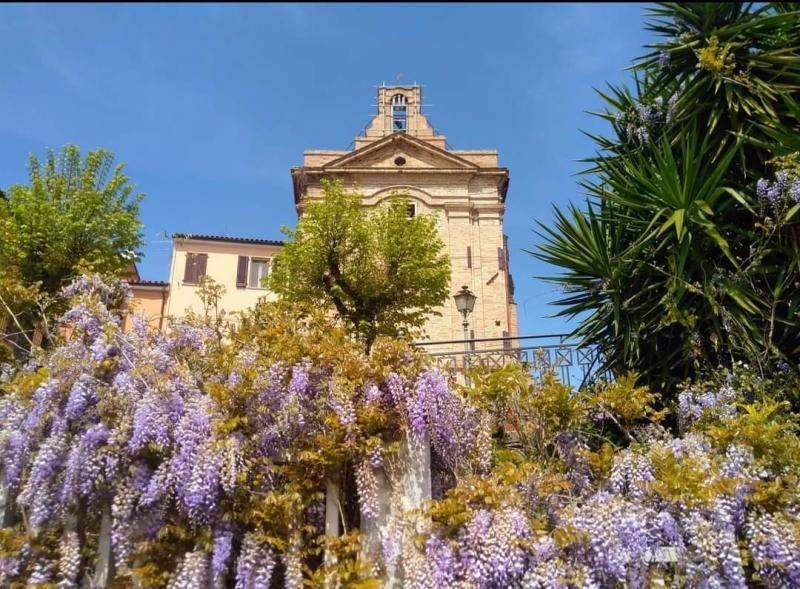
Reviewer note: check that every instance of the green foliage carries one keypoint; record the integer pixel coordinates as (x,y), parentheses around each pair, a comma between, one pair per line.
(691,473)
(533,415)
(77,212)
(677,262)
(383,272)
(769,429)
(347,568)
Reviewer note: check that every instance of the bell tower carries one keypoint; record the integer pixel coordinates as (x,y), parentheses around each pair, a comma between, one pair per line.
(399,110)
(399,152)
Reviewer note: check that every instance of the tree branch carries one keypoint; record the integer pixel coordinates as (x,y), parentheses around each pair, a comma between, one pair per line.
(16,321)
(327,283)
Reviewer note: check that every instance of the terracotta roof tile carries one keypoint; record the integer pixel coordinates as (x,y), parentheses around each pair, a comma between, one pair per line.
(226,238)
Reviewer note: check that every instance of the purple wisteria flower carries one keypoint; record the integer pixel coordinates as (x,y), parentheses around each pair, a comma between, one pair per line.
(620,535)
(223,548)
(631,473)
(491,554)
(693,404)
(192,572)
(81,396)
(254,565)
(367,485)
(785,187)
(152,422)
(441,557)
(774,543)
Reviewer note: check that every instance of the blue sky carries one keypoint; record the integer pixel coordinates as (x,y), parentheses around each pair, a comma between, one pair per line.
(210,105)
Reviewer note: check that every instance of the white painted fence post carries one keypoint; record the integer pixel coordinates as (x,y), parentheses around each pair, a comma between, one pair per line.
(403,486)
(103,569)
(371,527)
(6,508)
(332,509)
(415,458)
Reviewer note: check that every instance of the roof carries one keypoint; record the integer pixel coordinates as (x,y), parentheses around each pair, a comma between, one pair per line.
(339,164)
(131,273)
(226,238)
(148,283)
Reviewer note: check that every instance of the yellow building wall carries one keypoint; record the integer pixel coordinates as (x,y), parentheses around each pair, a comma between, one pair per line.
(222,264)
(150,301)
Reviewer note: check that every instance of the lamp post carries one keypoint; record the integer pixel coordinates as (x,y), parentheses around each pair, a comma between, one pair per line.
(465,303)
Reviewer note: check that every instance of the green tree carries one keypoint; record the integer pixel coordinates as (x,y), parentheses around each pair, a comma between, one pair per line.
(76,213)
(686,256)
(382,271)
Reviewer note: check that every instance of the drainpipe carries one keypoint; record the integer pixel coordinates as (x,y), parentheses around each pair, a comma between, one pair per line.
(164,294)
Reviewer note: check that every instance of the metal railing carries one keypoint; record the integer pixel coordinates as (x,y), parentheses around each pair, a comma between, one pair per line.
(573,364)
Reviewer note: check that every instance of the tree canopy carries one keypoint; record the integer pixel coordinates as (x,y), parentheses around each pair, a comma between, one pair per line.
(686,255)
(383,271)
(76,212)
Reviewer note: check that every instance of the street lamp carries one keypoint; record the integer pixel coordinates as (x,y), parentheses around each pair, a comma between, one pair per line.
(465,303)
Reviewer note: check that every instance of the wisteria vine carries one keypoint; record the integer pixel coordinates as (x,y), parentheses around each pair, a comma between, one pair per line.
(192,450)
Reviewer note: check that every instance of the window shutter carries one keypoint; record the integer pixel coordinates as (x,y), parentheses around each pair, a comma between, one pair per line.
(201,266)
(189,272)
(501,258)
(469,257)
(241,272)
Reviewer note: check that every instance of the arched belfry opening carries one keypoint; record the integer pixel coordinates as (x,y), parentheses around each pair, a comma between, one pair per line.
(399,113)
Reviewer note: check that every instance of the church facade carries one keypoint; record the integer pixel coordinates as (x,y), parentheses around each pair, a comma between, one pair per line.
(398,153)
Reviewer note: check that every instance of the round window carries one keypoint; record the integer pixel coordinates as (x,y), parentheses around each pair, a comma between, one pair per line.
(400,161)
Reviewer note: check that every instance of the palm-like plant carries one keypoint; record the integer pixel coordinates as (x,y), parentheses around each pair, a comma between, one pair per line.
(676,263)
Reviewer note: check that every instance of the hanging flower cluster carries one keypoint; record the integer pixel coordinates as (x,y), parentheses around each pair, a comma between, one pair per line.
(207,461)
(783,190)
(717,507)
(181,431)
(645,120)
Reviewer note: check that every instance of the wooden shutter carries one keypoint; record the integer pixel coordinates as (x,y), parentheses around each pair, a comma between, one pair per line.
(501,258)
(190,271)
(241,272)
(469,257)
(202,259)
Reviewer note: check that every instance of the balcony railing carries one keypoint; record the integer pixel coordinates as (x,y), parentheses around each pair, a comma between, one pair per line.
(573,364)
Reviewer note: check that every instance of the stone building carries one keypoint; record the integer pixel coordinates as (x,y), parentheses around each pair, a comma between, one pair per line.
(401,153)
(398,153)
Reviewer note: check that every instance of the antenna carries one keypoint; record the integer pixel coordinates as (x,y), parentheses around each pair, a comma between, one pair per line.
(161,237)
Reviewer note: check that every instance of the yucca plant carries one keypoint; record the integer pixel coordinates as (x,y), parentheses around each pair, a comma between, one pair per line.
(680,259)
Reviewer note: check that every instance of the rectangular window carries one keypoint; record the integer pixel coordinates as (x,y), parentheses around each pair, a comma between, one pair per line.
(241,272)
(259,268)
(195,268)
(469,256)
(501,258)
